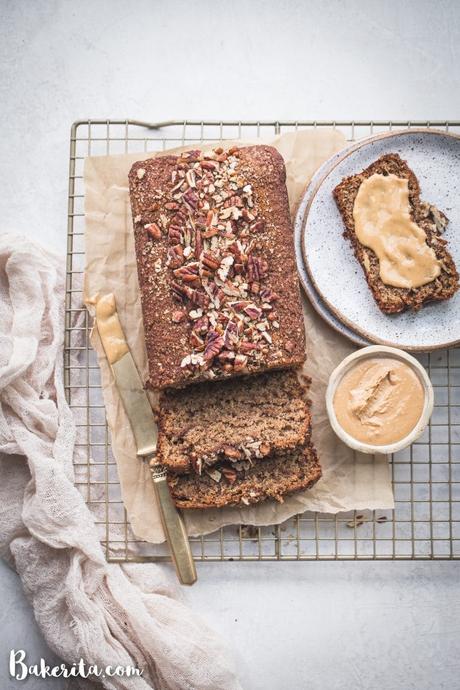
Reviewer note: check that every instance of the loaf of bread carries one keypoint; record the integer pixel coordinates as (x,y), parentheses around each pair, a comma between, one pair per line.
(227,485)
(392,299)
(216,265)
(237,420)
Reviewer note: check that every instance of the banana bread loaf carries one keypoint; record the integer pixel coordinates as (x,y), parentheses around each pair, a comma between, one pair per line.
(392,299)
(216,266)
(235,420)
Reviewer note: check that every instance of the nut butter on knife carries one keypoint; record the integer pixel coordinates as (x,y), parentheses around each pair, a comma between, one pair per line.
(140,414)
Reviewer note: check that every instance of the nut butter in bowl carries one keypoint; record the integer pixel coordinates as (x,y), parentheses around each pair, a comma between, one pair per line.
(379,400)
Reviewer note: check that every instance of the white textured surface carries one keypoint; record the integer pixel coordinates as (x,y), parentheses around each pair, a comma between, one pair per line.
(391,626)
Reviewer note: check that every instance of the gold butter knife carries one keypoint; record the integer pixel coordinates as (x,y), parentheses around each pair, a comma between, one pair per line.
(143,424)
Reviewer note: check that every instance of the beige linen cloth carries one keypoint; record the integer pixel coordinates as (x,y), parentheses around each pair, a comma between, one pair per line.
(106,614)
(350,480)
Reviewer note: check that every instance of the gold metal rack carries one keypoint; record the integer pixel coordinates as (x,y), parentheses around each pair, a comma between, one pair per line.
(426,477)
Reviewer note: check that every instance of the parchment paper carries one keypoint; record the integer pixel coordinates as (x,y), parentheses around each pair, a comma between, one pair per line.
(350,480)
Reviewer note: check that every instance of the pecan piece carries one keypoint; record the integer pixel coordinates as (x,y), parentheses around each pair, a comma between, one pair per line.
(201,325)
(213,230)
(210,260)
(253,312)
(258,226)
(232,452)
(229,474)
(234,201)
(245,346)
(198,298)
(231,335)
(174,233)
(257,268)
(196,462)
(179,218)
(191,156)
(198,244)
(178,316)
(175,256)
(195,341)
(188,270)
(153,230)
(191,198)
(214,344)
(190,177)
(240,304)
(192,279)
(209,165)
(226,356)
(240,361)
(268,295)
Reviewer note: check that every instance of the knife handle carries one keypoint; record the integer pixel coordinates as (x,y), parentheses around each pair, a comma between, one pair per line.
(174,528)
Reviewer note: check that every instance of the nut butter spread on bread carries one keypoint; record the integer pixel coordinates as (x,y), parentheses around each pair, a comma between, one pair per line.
(396,237)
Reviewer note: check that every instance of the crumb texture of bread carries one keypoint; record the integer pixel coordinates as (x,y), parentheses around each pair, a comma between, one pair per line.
(396,299)
(237,420)
(271,478)
(216,265)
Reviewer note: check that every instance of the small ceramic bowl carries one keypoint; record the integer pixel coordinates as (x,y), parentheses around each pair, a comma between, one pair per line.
(351,361)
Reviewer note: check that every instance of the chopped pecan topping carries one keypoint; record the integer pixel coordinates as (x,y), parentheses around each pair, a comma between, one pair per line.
(216,259)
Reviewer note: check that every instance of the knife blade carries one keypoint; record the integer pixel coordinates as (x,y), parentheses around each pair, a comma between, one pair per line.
(144,427)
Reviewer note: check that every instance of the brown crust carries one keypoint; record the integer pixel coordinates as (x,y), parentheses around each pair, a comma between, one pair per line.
(272,478)
(392,299)
(167,342)
(212,421)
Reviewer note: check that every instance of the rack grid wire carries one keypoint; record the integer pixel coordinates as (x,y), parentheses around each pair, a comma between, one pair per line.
(425,523)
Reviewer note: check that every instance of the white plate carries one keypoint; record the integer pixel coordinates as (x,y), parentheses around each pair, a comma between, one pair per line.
(305,280)
(337,276)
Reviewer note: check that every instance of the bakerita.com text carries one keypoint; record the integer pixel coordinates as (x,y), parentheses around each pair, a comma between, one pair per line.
(20,669)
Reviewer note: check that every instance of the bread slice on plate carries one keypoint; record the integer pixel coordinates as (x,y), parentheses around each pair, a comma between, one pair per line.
(224,485)
(236,420)
(392,299)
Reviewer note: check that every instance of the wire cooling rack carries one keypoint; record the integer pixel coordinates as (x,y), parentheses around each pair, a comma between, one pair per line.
(426,477)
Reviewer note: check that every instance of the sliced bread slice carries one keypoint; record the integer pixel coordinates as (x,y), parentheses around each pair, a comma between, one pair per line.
(225,485)
(235,420)
(396,299)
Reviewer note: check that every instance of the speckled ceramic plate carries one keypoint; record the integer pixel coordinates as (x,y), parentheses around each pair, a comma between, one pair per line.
(304,277)
(335,273)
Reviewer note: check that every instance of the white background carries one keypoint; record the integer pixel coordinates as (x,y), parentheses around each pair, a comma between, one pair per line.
(385,626)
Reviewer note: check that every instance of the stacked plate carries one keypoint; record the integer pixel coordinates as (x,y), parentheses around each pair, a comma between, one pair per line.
(331,276)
